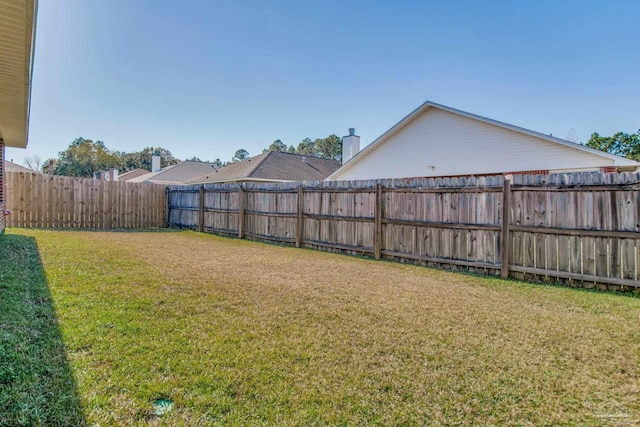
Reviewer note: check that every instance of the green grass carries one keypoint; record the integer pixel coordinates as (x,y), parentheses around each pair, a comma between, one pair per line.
(242,333)
(36,385)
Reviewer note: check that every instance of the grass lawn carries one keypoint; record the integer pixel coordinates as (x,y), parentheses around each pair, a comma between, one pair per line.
(96,326)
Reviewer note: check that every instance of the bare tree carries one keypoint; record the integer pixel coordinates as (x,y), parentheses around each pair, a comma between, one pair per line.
(34,163)
(572,136)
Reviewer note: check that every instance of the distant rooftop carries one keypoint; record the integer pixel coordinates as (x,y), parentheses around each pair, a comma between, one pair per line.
(176,174)
(13,167)
(272,166)
(129,175)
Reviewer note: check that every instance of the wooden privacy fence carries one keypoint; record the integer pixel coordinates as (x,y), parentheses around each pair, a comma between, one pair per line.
(46,201)
(579,229)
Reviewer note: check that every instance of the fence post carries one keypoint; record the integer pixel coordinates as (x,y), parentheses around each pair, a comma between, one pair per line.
(167,206)
(300,223)
(504,236)
(377,241)
(240,212)
(201,210)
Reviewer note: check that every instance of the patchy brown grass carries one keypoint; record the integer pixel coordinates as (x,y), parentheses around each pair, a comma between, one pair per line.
(236,332)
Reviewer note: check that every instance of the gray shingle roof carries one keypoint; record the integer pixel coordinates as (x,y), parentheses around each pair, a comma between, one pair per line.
(273,166)
(127,176)
(177,174)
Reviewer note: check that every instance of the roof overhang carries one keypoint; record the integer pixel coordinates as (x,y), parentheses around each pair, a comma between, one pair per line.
(17,41)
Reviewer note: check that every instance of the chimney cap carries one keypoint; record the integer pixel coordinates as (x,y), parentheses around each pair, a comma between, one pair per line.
(352,131)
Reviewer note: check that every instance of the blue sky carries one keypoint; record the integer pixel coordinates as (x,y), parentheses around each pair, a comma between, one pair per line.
(205,77)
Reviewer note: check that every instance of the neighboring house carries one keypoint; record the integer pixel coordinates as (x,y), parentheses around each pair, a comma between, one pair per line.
(272,166)
(129,175)
(176,174)
(17,28)
(13,167)
(435,140)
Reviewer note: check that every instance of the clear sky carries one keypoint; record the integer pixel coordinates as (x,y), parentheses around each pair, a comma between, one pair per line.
(206,77)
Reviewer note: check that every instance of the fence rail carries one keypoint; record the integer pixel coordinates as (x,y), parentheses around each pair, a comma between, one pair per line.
(580,229)
(46,201)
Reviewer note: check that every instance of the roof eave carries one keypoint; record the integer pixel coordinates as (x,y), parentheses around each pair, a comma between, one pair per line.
(14,118)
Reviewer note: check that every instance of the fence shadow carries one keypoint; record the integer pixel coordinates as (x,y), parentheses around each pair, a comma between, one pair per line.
(36,383)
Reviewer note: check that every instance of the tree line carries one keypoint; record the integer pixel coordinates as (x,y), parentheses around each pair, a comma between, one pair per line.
(620,144)
(325,148)
(84,157)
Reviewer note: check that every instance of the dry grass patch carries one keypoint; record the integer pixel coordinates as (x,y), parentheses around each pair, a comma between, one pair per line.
(236,332)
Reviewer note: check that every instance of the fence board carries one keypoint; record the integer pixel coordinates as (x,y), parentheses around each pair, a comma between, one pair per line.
(66,202)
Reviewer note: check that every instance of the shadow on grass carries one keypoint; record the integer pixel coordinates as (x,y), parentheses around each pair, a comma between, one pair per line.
(36,384)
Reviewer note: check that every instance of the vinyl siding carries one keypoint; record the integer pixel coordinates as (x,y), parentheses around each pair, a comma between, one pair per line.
(440,143)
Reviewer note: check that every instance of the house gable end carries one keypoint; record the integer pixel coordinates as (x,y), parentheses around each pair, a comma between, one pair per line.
(439,141)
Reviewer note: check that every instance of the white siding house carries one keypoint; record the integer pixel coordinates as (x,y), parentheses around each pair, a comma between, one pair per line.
(435,140)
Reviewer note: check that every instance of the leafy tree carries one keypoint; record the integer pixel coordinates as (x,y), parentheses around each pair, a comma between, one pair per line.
(329,147)
(218,163)
(240,155)
(142,159)
(620,144)
(306,147)
(197,159)
(326,148)
(277,145)
(84,157)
